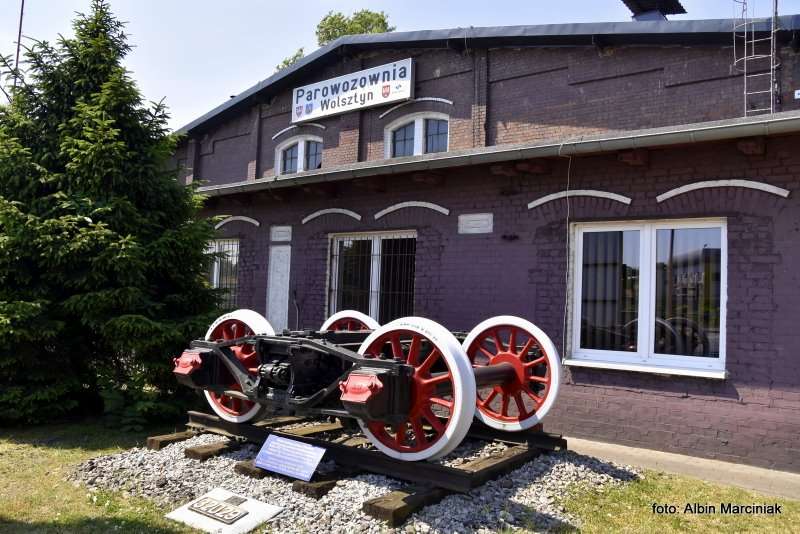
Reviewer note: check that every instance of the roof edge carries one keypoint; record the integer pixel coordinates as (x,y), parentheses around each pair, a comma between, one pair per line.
(628,29)
(764,125)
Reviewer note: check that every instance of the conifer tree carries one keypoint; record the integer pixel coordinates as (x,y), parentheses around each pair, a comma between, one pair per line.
(102,250)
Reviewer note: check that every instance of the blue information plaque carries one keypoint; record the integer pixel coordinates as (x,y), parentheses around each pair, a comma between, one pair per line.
(289,457)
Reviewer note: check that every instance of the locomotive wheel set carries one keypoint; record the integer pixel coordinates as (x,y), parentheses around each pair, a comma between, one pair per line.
(412,386)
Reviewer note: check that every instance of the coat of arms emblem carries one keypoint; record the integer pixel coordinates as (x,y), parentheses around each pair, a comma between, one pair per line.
(385,90)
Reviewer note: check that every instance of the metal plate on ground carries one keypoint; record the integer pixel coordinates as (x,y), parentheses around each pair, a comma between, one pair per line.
(223,512)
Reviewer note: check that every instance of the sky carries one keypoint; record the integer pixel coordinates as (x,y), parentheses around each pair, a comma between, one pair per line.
(195,54)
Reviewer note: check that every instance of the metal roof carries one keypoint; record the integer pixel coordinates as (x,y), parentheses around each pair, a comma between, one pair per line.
(761,125)
(711,31)
(667,7)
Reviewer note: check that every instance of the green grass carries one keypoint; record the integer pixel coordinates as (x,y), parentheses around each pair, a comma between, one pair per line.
(629,508)
(35,497)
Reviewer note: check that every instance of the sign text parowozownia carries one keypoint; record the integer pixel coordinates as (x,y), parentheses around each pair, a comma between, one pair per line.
(380,85)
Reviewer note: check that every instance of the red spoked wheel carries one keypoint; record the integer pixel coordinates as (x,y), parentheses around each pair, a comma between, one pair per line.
(239,323)
(350,321)
(442,391)
(523,401)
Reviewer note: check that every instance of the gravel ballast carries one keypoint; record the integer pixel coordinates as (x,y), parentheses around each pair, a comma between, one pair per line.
(526,498)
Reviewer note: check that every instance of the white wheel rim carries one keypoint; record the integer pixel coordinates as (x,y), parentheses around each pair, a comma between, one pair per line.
(553,362)
(363,318)
(259,325)
(463,395)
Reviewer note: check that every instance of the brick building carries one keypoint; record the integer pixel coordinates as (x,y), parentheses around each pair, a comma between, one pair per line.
(600,180)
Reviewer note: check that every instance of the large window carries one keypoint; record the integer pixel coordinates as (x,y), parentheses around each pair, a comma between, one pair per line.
(297,154)
(374,274)
(651,294)
(224,272)
(415,134)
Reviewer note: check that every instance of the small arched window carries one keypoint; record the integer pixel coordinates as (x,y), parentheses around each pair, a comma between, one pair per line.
(297,154)
(415,134)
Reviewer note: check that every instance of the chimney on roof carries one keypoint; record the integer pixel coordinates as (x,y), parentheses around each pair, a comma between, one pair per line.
(654,9)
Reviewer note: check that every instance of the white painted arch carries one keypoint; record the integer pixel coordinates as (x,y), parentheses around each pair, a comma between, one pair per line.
(294,127)
(579,193)
(749,184)
(412,204)
(414,101)
(237,218)
(329,211)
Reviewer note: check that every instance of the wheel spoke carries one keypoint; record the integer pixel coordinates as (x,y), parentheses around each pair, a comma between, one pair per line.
(434,421)
(489,398)
(429,361)
(497,342)
(486,352)
(413,350)
(523,412)
(526,348)
(512,340)
(419,433)
(442,402)
(537,399)
(440,378)
(397,349)
(400,434)
(537,361)
(504,406)
(540,379)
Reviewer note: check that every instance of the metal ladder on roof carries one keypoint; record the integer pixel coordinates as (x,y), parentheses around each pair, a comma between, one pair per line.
(755,56)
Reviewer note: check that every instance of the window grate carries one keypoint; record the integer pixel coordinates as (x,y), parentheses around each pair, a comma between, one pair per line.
(374,274)
(225,270)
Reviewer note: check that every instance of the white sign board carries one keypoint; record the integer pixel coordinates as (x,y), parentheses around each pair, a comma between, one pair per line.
(388,83)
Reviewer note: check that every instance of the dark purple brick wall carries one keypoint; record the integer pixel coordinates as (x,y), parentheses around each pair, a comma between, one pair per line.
(752,417)
(503,96)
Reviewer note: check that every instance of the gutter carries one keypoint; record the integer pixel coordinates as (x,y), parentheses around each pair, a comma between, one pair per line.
(763,125)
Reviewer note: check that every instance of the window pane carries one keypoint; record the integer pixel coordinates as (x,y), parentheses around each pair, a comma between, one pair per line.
(397,278)
(610,290)
(289,160)
(435,135)
(354,261)
(313,155)
(226,271)
(688,278)
(403,141)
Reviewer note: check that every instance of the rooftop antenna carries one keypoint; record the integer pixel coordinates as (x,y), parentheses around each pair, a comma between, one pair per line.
(755,55)
(19,41)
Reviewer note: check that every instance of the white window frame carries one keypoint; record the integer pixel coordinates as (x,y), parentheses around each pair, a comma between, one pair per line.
(301,141)
(375,266)
(419,130)
(645,359)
